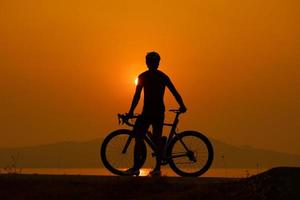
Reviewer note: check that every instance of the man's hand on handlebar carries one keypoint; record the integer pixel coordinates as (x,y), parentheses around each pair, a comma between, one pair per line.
(129,115)
(124,118)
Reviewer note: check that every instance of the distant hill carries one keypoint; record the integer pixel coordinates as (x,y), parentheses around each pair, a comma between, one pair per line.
(86,155)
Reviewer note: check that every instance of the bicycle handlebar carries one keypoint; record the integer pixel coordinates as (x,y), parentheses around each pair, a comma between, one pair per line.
(123,119)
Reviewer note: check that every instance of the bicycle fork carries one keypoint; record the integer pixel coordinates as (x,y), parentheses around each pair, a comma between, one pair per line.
(127,144)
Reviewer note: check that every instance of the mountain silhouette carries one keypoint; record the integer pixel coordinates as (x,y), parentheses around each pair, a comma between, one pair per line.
(86,155)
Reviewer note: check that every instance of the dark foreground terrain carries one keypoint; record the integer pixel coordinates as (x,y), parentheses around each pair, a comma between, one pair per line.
(277,183)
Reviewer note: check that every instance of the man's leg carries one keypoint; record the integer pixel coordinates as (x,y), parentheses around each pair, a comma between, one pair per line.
(140,128)
(157,125)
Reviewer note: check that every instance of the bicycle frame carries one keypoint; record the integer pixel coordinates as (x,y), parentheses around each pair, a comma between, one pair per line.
(150,142)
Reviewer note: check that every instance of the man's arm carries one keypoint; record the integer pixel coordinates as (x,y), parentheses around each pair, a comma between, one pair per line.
(136,99)
(176,95)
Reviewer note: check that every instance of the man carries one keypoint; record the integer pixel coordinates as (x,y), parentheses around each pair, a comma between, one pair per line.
(153,82)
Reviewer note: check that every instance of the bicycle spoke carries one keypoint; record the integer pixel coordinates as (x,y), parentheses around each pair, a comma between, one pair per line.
(179,155)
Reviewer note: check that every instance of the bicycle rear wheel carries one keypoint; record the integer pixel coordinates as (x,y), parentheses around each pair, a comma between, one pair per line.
(190,154)
(117,151)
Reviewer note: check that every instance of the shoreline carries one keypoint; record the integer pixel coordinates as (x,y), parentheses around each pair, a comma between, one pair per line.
(166,171)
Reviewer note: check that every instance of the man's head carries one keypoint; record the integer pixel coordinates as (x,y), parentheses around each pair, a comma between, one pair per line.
(152,60)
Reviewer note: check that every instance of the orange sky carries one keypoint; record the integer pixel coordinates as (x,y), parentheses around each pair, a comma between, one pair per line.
(68,67)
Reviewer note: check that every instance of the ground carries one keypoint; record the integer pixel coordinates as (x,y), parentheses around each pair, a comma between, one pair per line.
(277,183)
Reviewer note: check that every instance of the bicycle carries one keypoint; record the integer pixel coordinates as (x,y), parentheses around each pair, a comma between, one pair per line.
(188,153)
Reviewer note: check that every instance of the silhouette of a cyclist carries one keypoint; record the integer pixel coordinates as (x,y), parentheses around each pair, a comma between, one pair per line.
(154,83)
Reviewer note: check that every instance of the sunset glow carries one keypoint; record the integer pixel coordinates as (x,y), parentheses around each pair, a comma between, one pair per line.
(67,67)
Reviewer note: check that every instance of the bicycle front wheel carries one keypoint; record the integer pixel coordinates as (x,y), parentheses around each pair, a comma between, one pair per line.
(190,154)
(117,151)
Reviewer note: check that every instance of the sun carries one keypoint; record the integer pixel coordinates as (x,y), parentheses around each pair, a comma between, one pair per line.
(136,81)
